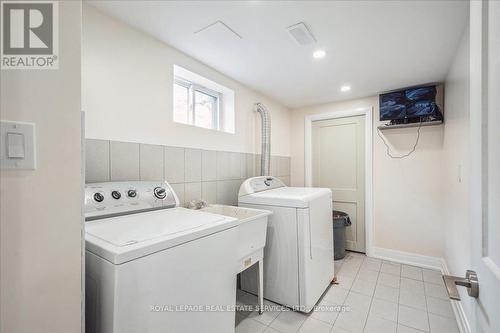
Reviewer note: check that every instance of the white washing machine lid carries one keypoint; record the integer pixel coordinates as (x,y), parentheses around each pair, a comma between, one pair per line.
(124,238)
(298,197)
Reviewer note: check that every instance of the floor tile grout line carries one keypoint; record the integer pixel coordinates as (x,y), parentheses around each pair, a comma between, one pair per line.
(371,300)
(302,324)
(426,308)
(348,292)
(399,296)
(340,268)
(412,328)
(280,312)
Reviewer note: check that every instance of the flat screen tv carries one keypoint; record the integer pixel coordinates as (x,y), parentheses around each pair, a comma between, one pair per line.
(416,104)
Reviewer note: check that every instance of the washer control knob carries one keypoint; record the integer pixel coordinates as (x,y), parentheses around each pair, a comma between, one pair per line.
(99,197)
(131,193)
(160,192)
(116,195)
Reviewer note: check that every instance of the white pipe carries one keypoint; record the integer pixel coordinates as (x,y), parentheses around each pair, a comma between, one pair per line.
(265,160)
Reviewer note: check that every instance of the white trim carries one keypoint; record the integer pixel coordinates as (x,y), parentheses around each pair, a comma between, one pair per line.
(460,317)
(83,154)
(409,258)
(368,113)
(458,310)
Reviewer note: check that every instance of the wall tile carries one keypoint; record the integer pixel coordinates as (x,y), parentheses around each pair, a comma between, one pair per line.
(227,192)
(174,165)
(250,160)
(192,191)
(234,166)
(124,157)
(228,165)
(209,192)
(274,166)
(151,162)
(96,161)
(278,168)
(209,165)
(192,165)
(243,166)
(214,176)
(257,164)
(222,165)
(282,166)
(179,190)
(287,166)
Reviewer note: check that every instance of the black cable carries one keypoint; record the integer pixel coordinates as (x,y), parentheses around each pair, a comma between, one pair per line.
(388,150)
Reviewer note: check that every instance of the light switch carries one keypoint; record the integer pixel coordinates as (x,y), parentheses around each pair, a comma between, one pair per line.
(15,145)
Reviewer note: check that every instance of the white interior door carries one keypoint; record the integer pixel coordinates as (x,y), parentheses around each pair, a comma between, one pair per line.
(338,163)
(485,172)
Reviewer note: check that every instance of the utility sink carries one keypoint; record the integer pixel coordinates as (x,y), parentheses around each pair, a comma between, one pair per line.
(251,233)
(252,230)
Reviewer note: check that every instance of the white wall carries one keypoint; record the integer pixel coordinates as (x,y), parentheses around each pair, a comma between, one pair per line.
(456,180)
(40,215)
(407,196)
(127,93)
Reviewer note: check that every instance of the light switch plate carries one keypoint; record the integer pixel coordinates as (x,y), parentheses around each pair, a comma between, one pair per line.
(17,145)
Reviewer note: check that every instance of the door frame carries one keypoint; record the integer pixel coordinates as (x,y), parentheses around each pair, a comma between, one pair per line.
(487,269)
(368,113)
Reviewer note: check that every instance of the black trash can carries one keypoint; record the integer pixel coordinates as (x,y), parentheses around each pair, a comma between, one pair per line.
(340,221)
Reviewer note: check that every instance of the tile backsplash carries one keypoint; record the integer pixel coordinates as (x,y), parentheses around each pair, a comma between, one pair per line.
(214,176)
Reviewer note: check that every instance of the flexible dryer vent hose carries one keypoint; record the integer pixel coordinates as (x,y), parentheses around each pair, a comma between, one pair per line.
(265,161)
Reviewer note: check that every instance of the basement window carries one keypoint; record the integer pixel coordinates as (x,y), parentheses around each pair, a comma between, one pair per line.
(201,102)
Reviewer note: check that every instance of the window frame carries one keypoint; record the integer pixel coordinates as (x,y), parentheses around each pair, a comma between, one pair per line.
(192,88)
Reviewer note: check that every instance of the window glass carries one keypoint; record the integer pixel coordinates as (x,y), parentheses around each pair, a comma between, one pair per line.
(205,110)
(181,104)
(200,102)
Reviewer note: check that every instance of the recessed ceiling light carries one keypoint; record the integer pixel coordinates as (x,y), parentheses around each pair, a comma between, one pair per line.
(319,54)
(345,88)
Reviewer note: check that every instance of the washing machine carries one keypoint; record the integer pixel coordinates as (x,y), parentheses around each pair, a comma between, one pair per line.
(152,266)
(298,256)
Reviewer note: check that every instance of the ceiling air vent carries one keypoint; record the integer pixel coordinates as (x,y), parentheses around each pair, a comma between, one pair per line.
(301,34)
(219,29)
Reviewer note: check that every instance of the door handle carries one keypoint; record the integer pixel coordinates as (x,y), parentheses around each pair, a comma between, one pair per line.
(470,282)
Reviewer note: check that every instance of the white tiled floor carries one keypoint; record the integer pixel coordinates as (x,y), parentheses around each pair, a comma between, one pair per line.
(383,297)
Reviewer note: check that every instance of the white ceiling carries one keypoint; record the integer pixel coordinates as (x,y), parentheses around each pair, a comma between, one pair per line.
(372,45)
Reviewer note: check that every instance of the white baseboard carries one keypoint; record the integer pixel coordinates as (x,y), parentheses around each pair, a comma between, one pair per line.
(408,258)
(458,310)
(424,262)
(463,323)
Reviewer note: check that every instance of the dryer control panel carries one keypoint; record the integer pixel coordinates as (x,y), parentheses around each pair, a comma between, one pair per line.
(119,198)
(259,184)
